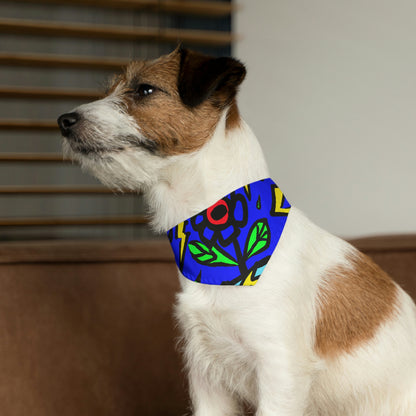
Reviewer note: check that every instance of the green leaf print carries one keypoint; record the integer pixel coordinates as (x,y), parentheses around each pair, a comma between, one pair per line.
(210,256)
(258,238)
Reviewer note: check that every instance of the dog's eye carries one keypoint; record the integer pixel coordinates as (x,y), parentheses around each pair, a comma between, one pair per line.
(143,90)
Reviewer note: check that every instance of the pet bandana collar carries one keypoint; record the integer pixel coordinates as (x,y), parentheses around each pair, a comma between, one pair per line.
(231,242)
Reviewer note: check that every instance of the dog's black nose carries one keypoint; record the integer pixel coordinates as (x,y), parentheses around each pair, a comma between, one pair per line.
(67,121)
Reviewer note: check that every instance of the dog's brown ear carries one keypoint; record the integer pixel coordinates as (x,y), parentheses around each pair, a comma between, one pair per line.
(202,77)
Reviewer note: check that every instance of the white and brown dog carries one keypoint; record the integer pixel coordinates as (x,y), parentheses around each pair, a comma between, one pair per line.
(325,331)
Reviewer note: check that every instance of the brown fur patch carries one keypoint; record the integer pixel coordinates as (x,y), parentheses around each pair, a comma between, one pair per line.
(233,116)
(353,303)
(162,117)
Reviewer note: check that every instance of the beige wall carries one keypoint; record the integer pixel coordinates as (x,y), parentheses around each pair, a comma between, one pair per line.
(331,95)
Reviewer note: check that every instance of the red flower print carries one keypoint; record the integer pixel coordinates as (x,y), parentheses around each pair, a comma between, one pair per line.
(217,214)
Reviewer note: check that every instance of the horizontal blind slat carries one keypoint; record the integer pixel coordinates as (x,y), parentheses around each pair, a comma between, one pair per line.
(63,29)
(48,93)
(59,190)
(66,221)
(16,124)
(202,8)
(32,157)
(61,61)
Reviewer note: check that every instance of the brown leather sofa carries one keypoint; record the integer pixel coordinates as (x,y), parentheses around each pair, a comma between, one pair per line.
(86,328)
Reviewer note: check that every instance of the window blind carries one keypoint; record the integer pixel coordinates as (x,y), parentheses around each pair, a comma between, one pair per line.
(56,55)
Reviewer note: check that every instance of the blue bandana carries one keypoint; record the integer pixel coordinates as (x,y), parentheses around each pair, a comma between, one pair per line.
(231,242)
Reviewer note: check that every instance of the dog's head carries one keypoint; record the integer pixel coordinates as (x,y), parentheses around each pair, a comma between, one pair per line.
(154,111)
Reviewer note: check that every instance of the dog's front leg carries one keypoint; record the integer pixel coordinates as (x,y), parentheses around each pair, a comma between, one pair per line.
(283,386)
(209,399)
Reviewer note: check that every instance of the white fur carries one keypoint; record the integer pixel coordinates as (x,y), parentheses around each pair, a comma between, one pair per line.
(107,122)
(256,344)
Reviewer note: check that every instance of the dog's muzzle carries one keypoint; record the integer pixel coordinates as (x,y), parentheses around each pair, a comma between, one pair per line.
(67,123)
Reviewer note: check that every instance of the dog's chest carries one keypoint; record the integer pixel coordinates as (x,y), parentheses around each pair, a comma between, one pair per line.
(214,341)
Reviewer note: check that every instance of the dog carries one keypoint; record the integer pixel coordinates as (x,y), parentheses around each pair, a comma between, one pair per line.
(320,330)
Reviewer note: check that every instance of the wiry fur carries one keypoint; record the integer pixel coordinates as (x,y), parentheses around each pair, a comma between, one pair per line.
(258,344)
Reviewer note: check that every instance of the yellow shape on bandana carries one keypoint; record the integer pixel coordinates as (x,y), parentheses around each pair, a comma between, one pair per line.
(279,198)
(248,281)
(182,236)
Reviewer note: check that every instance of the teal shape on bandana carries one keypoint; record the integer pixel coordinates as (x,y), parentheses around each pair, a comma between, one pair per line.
(231,242)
